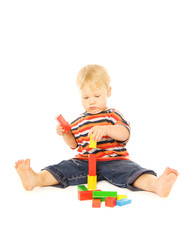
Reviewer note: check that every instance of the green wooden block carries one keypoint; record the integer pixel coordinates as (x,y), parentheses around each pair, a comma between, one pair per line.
(104,194)
(82,188)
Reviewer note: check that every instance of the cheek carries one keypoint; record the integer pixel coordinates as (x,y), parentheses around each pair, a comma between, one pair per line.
(84,103)
(103,101)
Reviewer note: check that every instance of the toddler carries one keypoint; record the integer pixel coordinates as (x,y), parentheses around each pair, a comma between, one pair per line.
(111,132)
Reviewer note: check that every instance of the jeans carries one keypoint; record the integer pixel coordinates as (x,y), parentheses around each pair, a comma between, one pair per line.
(121,173)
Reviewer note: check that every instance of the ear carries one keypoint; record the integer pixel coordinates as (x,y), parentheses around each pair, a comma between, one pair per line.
(109,91)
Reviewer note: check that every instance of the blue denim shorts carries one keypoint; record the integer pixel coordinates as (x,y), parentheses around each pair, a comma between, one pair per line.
(121,173)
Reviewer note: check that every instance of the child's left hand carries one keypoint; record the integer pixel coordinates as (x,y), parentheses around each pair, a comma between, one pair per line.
(98,132)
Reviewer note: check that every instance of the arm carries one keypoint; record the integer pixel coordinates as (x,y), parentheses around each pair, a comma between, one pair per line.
(68,137)
(117,132)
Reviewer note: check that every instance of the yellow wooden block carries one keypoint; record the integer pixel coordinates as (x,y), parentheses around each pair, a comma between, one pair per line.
(92,142)
(121,197)
(92,182)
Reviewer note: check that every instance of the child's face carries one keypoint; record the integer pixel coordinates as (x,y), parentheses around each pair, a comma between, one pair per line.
(95,100)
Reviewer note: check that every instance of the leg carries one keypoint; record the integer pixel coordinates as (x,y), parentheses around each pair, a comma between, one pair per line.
(121,173)
(161,186)
(30,179)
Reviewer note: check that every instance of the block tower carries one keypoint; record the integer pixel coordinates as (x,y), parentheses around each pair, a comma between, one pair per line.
(92,177)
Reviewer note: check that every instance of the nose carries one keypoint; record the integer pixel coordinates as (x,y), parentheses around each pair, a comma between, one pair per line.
(91,101)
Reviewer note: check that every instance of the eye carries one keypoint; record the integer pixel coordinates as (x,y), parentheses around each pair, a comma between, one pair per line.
(97,96)
(85,97)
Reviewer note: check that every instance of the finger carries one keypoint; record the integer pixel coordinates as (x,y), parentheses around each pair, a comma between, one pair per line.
(94,135)
(90,132)
(59,127)
(98,137)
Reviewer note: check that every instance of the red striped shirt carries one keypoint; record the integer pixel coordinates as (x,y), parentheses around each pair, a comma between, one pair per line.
(107,148)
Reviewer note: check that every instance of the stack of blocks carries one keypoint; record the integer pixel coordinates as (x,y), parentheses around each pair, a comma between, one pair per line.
(92,177)
(111,199)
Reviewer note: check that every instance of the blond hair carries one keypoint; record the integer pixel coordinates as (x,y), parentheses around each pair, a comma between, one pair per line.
(93,75)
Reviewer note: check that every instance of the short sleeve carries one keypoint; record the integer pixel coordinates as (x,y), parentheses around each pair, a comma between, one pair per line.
(118,119)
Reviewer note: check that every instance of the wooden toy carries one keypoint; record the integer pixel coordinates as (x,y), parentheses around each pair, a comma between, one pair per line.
(92,177)
(96,203)
(64,124)
(104,194)
(92,142)
(98,196)
(110,202)
(82,188)
(123,202)
(85,195)
(121,197)
(92,182)
(92,165)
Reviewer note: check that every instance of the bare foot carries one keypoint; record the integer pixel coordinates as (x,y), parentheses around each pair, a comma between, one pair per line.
(166,182)
(27,175)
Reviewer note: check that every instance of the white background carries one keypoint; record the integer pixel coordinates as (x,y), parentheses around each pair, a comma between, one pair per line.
(147,49)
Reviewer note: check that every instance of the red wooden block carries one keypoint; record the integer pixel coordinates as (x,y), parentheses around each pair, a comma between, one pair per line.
(92,165)
(84,195)
(110,202)
(65,125)
(96,203)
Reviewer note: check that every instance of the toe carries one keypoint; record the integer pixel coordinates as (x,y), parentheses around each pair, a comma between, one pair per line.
(16,165)
(167,170)
(175,172)
(27,162)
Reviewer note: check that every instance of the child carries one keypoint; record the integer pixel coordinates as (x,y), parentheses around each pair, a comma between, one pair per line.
(111,132)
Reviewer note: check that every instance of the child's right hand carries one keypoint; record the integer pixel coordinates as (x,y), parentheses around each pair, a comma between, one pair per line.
(60,131)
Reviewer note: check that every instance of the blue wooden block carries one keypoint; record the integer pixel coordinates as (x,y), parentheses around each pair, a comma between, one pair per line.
(123,202)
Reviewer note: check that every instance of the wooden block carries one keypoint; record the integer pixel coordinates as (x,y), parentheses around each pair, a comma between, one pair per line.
(123,202)
(92,182)
(96,203)
(65,125)
(84,195)
(92,165)
(82,188)
(104,194)
(110,202)
(121,197)
(92,142)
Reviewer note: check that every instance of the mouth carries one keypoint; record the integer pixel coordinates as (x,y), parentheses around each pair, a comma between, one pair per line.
(92,108)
